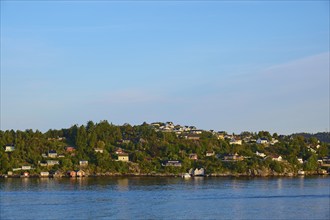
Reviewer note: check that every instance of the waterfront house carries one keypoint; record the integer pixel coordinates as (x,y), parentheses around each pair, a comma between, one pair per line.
(193,156)
(25,174)
(72,173)
(52,154)
(57,173)
(81,173)
(199,172)
(123,157)
(9,148)
(172,163)
(44,174)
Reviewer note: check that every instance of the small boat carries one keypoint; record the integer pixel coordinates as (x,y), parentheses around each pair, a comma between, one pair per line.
(186,176)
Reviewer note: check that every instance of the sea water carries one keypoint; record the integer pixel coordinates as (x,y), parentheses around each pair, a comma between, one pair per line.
(165,198)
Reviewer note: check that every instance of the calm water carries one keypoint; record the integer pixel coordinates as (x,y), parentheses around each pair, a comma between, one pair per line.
(165,198)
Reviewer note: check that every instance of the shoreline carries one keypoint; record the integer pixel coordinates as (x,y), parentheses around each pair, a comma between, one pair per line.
(167,175)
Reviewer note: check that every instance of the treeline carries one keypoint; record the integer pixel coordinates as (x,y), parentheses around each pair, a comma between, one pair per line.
(148,149)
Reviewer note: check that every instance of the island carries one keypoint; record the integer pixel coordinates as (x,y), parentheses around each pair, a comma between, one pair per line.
(159,149)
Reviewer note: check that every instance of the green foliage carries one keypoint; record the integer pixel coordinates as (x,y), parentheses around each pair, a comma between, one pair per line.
(147,148)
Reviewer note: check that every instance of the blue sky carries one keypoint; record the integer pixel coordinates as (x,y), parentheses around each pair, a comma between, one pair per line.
(233,66)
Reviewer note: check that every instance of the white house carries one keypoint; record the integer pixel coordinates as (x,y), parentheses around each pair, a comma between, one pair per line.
(52,162)
(260,154)
(9,148)
(98,150)
(262,141)
(235,141)
(277,158)
(123,157)
(26,167)
(300,160)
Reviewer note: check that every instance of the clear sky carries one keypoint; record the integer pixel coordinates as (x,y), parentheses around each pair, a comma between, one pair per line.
(233,66)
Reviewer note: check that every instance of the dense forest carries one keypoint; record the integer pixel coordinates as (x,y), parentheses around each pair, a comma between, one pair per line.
(149,150)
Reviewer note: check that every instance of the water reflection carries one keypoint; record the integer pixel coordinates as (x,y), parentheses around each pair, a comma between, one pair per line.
(122,184)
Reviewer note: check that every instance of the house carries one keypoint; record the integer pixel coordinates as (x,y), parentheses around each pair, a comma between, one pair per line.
(276,158)
(72,173)
(52,162)
(196,131)
(220,136)
(98,150)
(69,149)
(172,163)
(83,162)
(300,160)
(235,141)
(81,173)
(197,172)
(44,174)
(123,157)
(52,154)
(9,148)
(57,173)
(26,167)
(210,153)
(262,141)
(192,137)
(260,154)
(193,156)
(233,157)
(119,151)
(273,141)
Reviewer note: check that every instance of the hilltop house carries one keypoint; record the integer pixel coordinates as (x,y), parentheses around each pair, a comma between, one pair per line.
(262,141)
(235,141)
